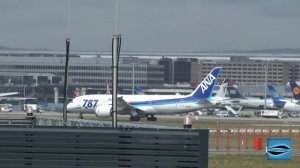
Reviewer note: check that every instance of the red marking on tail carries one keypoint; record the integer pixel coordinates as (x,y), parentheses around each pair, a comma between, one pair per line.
(107,87)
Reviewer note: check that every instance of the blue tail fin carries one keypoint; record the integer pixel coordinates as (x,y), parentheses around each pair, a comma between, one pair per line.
(138,91)
(277,100)
(295,90)
(205,88)
(234,93)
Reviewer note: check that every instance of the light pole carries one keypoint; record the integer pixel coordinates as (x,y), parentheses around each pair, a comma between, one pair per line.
(266,83)
(116,48)
(133,78)
(24,93)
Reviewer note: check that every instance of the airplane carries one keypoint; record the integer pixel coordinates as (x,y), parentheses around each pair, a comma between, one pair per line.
(280,102)
(138,106)
(222,101)
(253,103)
(219,97)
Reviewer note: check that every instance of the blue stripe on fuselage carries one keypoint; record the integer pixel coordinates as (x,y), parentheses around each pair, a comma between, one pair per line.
(165,102)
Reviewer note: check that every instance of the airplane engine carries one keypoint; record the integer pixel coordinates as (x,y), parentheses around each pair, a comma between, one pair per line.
(103,111)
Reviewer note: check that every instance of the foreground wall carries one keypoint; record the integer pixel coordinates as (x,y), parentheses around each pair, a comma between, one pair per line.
(102,147)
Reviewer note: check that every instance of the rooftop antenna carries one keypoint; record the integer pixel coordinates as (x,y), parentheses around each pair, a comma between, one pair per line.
(66,66)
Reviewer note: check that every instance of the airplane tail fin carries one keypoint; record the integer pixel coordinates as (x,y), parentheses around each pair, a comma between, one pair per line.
(74,93)
(138,91)
(277,100)
(205,88)
(234,93)
(107,88)
(295,90)
(222,90)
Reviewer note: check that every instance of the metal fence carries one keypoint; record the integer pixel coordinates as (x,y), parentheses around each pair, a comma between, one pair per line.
(65,147)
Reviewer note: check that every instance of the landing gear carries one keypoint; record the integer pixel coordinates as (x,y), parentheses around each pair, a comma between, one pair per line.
(80,115)
(135,118)
(151,118)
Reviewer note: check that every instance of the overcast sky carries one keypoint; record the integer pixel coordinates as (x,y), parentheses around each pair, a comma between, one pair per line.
(152,25)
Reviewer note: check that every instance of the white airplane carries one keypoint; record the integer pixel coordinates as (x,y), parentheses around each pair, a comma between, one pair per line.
(149,105)
(219,98)
(222,101)
(285,105)
(253,103)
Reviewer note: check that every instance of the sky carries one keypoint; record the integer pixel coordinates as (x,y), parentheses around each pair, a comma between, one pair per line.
(151,25)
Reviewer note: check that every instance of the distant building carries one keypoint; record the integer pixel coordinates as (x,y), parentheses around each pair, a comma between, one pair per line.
(38,75)
(252,72)
(241,70)
(167,63)
(182,70)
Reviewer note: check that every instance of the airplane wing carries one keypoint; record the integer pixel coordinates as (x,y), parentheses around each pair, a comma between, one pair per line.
(205,102)
(15,98)
(8,94)
(298,102)
(122,104)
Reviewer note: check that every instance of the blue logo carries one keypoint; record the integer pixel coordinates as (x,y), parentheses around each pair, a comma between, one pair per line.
(278,149)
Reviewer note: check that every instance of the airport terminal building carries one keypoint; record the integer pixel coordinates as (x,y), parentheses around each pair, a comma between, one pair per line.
(41,75)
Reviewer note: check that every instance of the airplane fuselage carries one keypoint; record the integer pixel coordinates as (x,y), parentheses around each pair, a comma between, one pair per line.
(291,107)
(254,103)
(146,104)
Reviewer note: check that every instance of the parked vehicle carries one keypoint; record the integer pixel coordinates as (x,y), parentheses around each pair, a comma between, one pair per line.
(6,107)
(272,114)
(222,114)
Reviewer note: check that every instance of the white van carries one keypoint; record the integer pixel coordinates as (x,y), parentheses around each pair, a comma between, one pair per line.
(6,107)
